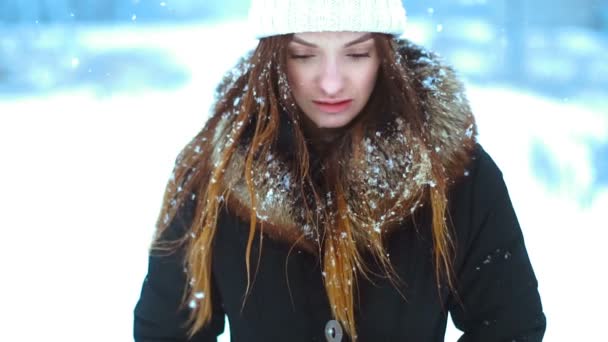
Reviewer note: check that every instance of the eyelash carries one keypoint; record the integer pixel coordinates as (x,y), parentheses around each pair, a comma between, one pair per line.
(352,55)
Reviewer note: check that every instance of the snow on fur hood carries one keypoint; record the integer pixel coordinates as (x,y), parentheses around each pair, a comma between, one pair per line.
(396,172)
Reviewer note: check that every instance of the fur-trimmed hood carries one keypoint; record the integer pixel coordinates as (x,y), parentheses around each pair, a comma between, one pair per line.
(382,188)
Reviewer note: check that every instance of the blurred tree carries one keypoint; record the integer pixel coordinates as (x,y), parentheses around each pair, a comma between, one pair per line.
(515,25)
(18,11)
(602,15)
(23,11)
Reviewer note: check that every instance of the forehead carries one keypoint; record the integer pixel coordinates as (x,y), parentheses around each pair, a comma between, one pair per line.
(321,39)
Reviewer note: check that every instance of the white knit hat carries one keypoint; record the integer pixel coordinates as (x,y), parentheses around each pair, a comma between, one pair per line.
(275,17)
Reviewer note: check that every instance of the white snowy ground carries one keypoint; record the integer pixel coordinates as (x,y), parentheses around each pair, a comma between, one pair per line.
(82,178)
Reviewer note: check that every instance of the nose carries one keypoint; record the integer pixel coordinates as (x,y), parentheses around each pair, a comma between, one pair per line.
(331,80)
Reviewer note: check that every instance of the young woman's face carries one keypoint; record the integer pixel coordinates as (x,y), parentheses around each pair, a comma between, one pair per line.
(332,75)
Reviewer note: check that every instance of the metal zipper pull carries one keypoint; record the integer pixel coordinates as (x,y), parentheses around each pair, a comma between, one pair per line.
(333,331)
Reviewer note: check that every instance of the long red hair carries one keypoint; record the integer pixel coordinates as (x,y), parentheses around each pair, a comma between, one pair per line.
(259,104)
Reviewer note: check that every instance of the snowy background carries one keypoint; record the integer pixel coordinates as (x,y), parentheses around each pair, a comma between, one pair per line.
(96,102)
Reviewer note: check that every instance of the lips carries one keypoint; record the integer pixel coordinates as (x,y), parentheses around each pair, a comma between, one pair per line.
(333,106)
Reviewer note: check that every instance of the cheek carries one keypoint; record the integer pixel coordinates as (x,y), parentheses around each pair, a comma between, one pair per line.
(299,85)
(367,80)
(293,78)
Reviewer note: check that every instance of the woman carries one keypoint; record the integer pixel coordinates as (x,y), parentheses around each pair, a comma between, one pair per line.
(337,192)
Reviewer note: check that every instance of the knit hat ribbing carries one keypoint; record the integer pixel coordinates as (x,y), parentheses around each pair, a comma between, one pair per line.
(275,17)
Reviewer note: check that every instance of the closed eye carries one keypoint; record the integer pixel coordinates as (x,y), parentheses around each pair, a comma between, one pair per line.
(301,56)
(352,55)
(359,55)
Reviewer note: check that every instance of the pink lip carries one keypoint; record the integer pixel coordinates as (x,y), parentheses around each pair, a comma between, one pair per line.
(333,106)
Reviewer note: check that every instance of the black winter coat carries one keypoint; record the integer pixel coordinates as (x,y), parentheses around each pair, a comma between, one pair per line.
(497,291)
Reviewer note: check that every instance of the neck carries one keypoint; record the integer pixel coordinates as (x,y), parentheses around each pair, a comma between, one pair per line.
(320,138)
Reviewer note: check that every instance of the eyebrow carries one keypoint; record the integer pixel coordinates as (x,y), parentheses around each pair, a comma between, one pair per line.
(361,39)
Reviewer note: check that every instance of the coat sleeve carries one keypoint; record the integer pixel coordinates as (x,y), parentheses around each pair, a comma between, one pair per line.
(158,315)
(497,295)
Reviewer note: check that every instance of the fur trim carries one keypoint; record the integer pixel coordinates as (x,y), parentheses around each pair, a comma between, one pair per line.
(391,176)
(452,124)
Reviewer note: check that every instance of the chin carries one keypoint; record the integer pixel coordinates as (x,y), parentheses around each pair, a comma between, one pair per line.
(333,120)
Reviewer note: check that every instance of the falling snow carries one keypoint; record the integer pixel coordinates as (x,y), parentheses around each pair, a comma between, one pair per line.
(513,158)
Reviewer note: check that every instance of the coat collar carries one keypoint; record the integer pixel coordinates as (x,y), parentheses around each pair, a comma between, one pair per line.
(392,178)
